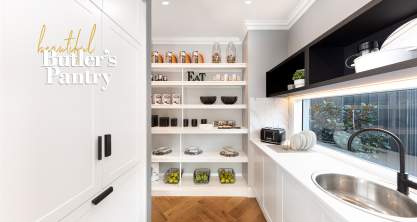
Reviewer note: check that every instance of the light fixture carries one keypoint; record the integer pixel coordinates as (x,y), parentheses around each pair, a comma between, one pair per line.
(248,2)
(165,2)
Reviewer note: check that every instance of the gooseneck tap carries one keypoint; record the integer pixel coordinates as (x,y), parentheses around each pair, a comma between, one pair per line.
(403,183)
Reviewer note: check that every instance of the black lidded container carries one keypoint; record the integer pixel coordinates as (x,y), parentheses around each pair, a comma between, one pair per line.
(155,121)
(194,122)
(185,122)
(163,121)
(174,122)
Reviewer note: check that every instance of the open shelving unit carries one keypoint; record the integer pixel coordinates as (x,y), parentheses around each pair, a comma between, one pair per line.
(324,58)
(209,139)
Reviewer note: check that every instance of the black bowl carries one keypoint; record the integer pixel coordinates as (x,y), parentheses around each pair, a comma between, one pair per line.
(229,100)
(208,99)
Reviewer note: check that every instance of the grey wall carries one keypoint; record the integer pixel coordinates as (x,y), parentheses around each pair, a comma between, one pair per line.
(319,18)
(264,49)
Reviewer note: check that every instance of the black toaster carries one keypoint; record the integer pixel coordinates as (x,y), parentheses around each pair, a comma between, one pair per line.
(272,135)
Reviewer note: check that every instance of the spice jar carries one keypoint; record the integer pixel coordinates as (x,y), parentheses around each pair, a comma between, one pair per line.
(176,99)
(195,57)
(166,99)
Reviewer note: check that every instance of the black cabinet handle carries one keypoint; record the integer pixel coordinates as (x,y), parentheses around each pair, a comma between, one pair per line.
(101,196)
(107,145)
(100,148)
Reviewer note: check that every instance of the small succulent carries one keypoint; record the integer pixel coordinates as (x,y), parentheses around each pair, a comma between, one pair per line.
(299,74)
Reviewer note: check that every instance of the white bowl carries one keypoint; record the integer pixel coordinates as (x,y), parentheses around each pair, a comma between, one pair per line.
(382,58)
(402,37)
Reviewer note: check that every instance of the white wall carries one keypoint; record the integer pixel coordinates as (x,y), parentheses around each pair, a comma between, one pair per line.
(265,49)
(262,50)
(320,17)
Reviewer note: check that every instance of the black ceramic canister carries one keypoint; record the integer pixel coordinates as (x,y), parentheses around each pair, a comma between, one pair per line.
(154,120)
(203,121)
(163,121)
(194,122)
(185,122)
(174,122)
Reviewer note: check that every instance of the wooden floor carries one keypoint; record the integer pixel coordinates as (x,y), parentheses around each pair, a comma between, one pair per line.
(206,209)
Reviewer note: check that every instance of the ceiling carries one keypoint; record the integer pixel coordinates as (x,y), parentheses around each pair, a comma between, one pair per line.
(222,18)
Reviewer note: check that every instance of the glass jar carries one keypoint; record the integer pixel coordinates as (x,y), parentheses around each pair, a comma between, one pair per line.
(231,53)
(226,176)
(172,176)
(216,56)
(201,176)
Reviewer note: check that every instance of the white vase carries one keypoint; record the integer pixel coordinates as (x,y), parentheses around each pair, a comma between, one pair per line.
(299,83)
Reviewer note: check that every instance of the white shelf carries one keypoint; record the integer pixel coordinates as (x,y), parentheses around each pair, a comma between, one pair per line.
(199,84)
(214,83)
(196,130)
(177,66)
(214,157)
(200,106)
(214,188)
(168,158)
(205,157)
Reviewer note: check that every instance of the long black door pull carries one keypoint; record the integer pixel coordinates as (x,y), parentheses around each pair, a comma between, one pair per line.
(101,196)
(100,148)
(107,145)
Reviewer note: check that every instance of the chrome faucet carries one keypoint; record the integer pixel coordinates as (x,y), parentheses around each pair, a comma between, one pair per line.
(403,183)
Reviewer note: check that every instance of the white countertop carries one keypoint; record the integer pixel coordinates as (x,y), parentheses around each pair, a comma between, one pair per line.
(301,165)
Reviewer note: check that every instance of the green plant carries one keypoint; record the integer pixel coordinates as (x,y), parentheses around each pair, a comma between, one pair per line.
(299,74)
(365,116)
(326,118)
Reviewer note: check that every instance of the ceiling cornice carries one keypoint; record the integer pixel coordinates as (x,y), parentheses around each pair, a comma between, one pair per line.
(266,24)
(285,24)
(299,11)
(196,40)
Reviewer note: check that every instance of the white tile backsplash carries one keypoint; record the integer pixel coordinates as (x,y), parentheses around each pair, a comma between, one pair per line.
(267,112)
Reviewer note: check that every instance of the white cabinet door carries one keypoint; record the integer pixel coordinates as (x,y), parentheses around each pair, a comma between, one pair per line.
(259,176)
(121,108)
(128,14)
(48,160)
(272,190)
(299,205)
(125,203)
(279,194)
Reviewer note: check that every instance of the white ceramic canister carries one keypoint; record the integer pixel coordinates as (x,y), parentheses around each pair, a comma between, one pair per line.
(176,99)
(166,99)
(157,99)
(217,77)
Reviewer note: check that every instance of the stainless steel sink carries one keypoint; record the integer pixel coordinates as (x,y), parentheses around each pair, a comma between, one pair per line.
(367,195)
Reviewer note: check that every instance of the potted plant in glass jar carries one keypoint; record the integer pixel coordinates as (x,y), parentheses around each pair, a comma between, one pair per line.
(298,78)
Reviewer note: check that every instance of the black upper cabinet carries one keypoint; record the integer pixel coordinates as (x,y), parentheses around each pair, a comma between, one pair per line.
(324,58)
(278,78)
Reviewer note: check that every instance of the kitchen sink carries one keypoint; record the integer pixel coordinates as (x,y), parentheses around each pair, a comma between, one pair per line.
(367,195)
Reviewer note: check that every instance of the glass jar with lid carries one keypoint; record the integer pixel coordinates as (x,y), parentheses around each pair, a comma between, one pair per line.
(216,53)
(231,53)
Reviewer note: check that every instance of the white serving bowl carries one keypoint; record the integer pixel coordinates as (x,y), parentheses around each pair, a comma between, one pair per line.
(383,58)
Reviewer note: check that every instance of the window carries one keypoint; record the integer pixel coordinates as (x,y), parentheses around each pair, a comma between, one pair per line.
(334,119)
